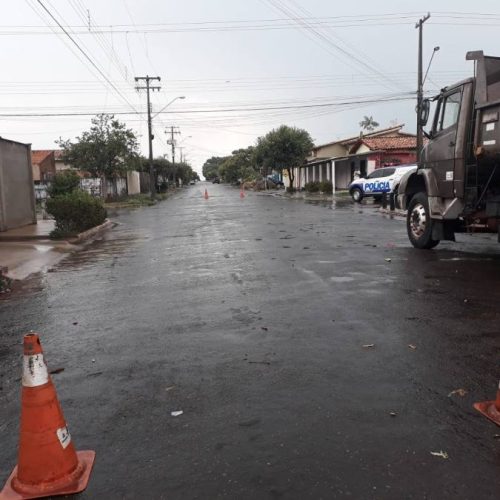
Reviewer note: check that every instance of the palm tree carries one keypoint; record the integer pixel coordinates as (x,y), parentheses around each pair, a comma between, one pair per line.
(368,123)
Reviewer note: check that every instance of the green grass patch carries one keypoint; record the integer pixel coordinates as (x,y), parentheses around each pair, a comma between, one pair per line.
(135,201)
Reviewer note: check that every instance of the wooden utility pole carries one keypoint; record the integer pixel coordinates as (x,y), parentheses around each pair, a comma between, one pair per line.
(171,141)
(420,89)
(149,88)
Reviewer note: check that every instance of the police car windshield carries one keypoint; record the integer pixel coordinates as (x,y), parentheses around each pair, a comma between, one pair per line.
(381,172)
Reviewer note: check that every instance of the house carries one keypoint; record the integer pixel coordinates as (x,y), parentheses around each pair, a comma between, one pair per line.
(130,184)
(340,161)
(44,165)
(60,165)
(17,195)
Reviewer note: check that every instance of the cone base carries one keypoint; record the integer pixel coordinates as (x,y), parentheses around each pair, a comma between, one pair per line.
(489,410)
(85,458)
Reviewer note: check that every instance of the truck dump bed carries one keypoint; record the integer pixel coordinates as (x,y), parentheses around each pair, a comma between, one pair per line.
(487,105)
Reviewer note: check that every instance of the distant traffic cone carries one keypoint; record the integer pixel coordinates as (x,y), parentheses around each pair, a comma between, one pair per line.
(490,409)
(206,194)
(47,461)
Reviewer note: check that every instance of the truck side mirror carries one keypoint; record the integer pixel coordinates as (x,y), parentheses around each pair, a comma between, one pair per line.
(424,112)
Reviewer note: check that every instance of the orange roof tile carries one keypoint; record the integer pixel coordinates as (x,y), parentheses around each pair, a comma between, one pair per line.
(38,155)
(384,143)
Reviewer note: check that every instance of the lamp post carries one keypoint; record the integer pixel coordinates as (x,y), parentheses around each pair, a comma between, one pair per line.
(168,104)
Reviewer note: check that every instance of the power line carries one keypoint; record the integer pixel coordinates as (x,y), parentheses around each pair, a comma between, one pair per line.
(227,110)
(87,57)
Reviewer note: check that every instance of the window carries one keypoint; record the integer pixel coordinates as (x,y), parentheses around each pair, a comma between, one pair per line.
(381,172)
(387,172)
(374,175)
(450,109)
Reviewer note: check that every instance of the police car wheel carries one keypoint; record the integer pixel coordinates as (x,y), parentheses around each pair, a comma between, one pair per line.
(357,195)
(419,224)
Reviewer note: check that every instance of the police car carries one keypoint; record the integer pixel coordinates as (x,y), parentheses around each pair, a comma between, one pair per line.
(380,181)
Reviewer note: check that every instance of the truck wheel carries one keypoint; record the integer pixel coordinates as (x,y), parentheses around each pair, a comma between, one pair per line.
(357,195)
(419,224)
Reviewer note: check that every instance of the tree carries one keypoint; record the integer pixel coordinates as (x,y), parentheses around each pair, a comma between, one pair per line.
(239,166)
(368,123)
(162,168)
(184,172)
(283,148)
(64,182)
(210,168)
(107,150)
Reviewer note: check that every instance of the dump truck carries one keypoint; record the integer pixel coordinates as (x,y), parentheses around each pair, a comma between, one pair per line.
(456,187)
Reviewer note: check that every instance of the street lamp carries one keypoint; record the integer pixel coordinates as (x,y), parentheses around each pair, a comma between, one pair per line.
(168,104)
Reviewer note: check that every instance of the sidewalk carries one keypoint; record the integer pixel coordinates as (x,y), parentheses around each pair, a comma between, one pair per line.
(28,250)
(39,231)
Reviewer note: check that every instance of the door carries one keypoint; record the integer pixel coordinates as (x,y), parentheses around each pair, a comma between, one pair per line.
(440,152)
(362,168)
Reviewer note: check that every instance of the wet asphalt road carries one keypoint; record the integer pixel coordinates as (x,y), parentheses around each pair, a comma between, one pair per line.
(250,316)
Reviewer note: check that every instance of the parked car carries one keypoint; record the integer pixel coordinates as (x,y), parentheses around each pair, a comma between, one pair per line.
(275,178)
(215,180)
(380,181)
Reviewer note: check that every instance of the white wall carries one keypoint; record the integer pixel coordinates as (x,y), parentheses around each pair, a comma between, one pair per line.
(134,182)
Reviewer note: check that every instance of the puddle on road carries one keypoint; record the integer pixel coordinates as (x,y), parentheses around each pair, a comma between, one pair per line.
(341,279)
(477,259)
(109,248)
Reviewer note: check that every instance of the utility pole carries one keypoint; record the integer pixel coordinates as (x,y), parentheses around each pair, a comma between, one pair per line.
(149,88)
(171,141)
(420,89)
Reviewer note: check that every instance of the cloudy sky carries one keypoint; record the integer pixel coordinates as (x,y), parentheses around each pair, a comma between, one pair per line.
(243,66)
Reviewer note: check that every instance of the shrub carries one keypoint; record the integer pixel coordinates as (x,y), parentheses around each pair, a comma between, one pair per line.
(312,187)
(75,212)
(64,182)
(326,187)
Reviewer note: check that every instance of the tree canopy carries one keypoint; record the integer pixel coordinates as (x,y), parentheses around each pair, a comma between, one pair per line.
(210,168)
(108,149)
(368,123)
(239,166)
(283,148)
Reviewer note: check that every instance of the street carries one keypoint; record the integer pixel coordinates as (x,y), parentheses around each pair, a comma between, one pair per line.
(313,352)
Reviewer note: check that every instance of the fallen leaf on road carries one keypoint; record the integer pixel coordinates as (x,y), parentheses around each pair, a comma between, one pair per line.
(176,413)
(170,388)
(459,392)
(392,413)
(387,259)
(496,436)
(55,371)
(412,346)
(368,346)
(441,454)
(264,328)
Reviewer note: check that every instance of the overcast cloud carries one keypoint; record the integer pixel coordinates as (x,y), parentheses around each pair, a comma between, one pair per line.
(225,55)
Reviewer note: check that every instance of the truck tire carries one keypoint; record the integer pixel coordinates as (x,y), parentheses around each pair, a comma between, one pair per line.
(419,224)
(357,195)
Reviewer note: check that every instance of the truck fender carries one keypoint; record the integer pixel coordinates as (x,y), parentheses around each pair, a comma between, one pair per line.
(423,180)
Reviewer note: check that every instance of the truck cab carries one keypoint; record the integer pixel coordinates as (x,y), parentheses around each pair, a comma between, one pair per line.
(456,187)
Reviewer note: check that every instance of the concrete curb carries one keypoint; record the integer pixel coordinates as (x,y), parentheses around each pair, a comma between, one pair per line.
(92,232)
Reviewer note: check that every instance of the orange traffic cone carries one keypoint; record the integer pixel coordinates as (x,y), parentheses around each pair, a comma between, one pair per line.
(47,461)
(206,194)
(490,409)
